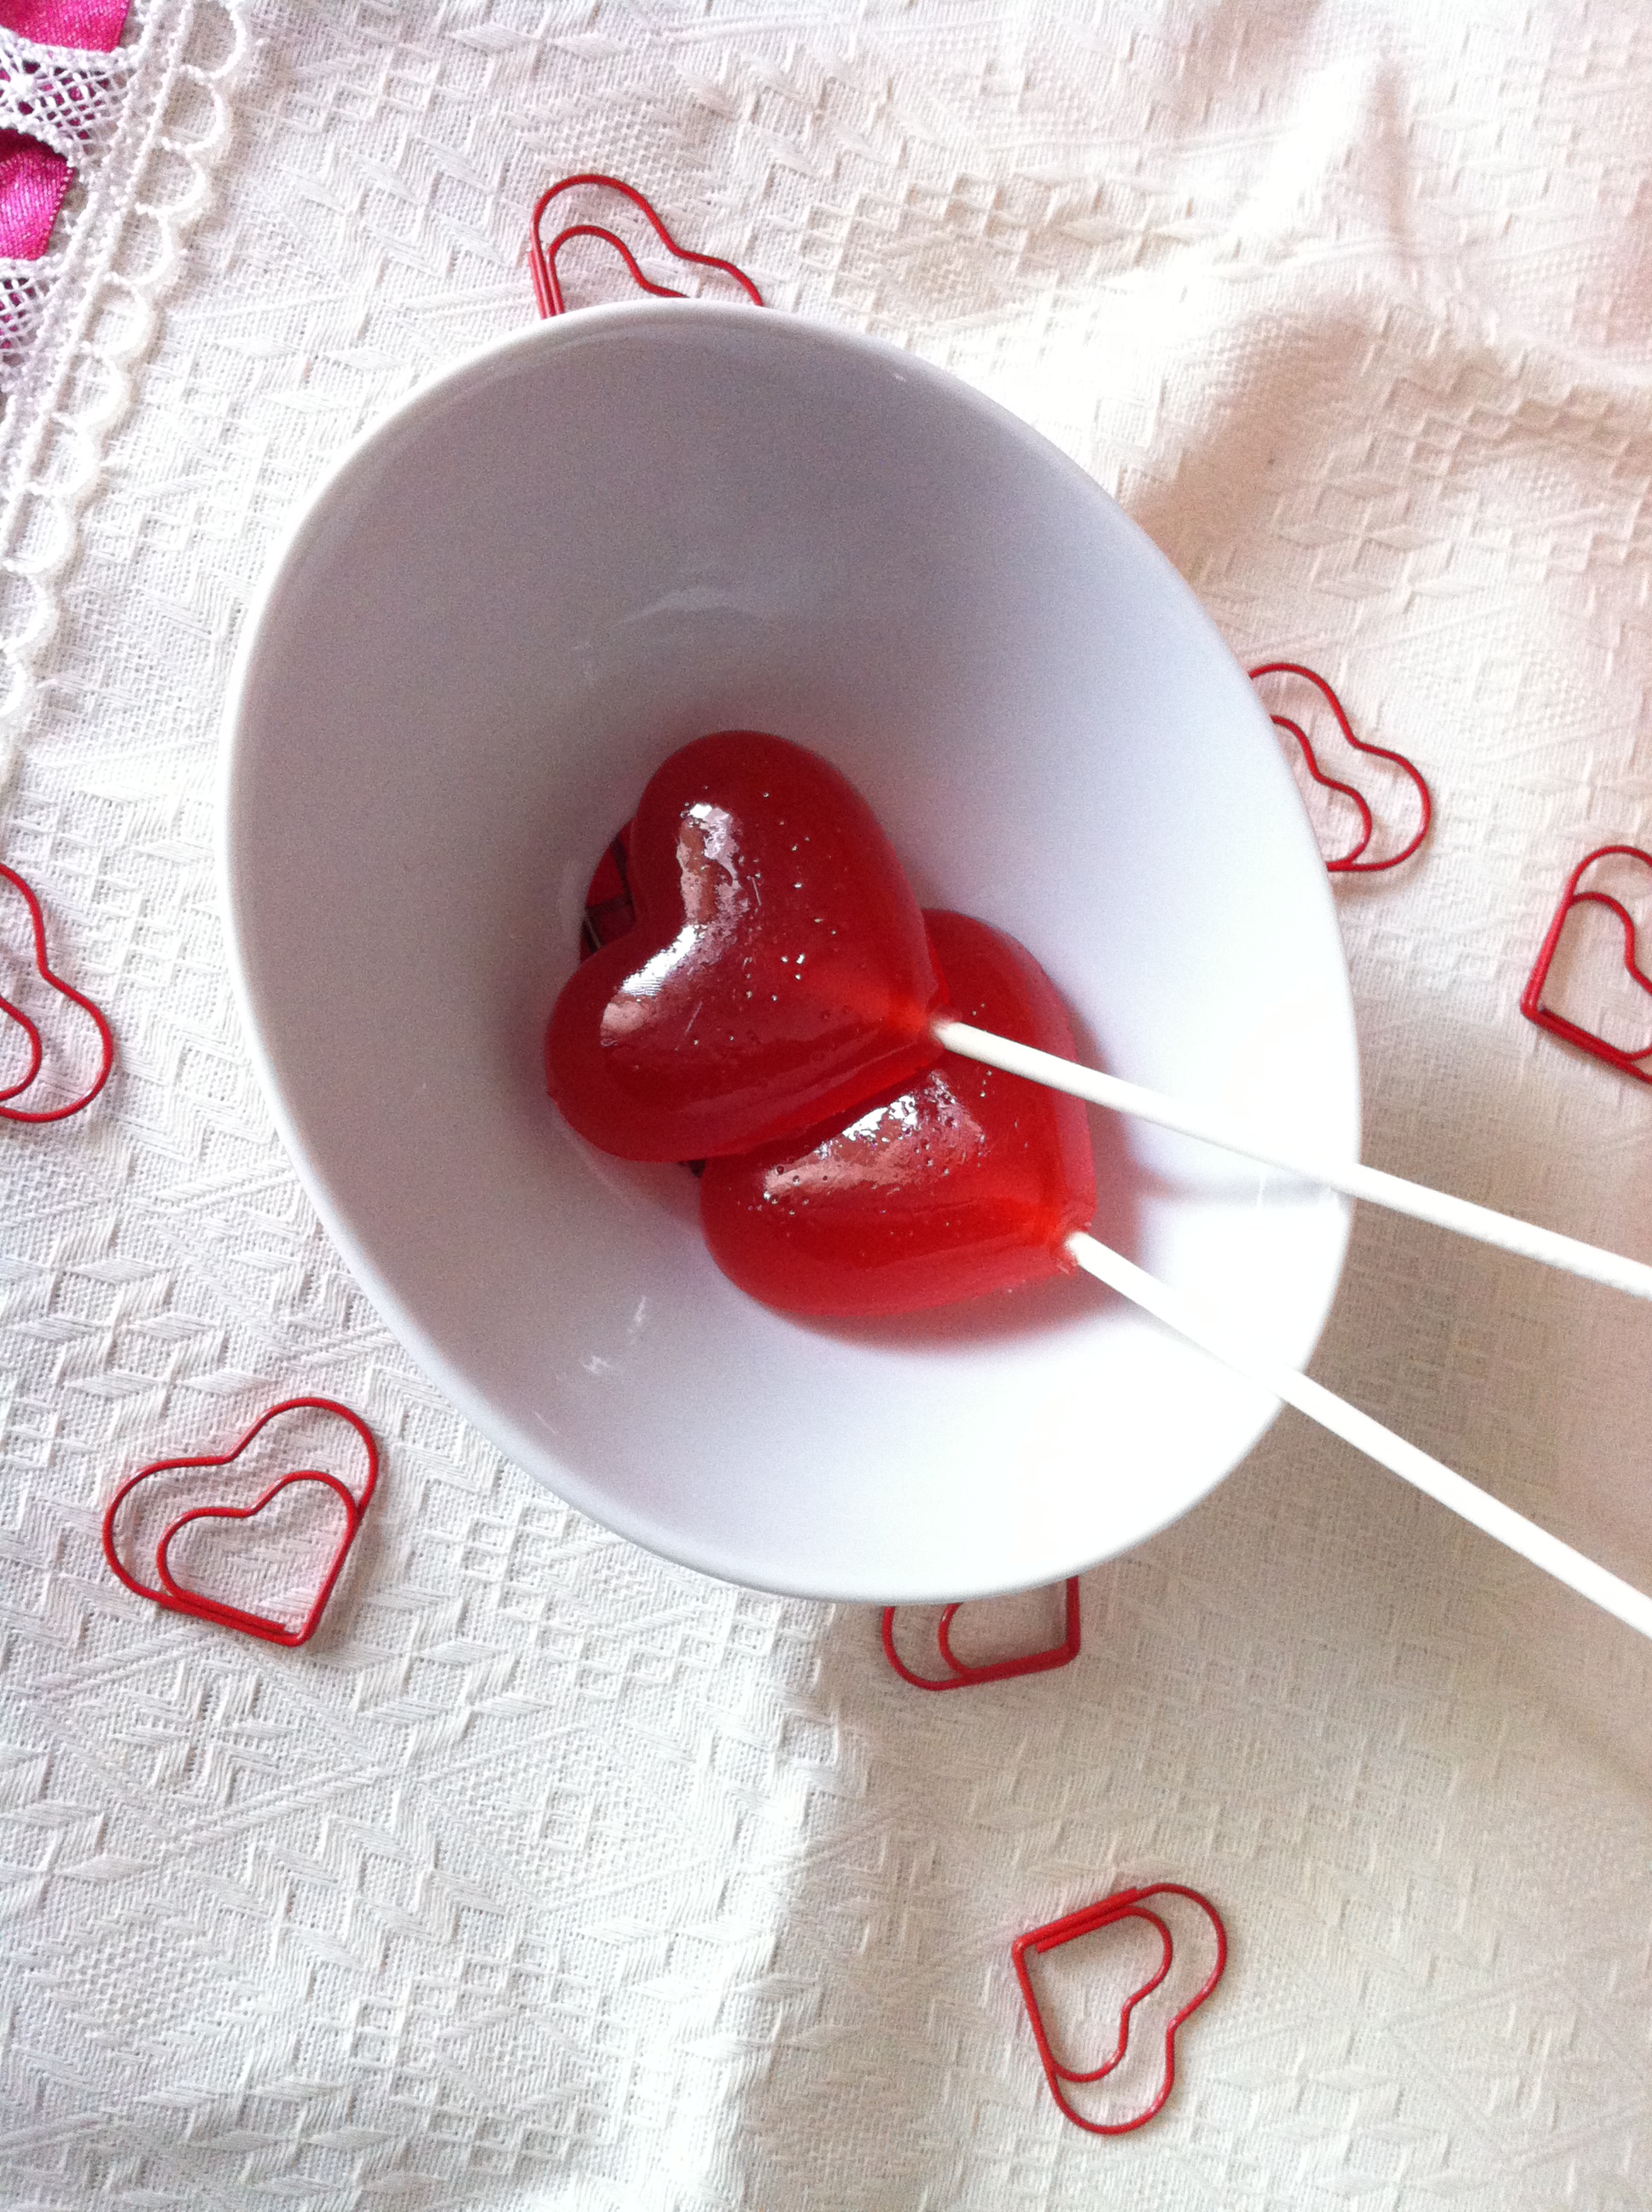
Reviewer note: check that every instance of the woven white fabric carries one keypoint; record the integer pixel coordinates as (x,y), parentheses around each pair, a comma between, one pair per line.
(551,1876)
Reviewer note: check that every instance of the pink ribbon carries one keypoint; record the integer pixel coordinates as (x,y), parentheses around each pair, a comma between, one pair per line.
(93,26)
(33,181)
(33,177)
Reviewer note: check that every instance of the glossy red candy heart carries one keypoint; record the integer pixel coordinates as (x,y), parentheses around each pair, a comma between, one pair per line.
(965,1182)
(778,973)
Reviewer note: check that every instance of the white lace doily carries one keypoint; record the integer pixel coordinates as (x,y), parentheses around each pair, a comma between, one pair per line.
(142,127)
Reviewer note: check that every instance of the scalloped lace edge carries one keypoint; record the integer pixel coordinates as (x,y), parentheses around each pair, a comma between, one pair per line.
(78,379)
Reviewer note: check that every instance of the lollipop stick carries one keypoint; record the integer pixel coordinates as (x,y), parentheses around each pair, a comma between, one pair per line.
(1224,1343)
(1351,1177)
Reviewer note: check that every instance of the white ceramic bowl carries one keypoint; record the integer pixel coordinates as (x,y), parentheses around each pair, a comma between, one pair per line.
(570,554)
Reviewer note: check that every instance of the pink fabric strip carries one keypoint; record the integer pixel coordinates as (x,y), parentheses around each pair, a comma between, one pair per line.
(33,181)
(93,26)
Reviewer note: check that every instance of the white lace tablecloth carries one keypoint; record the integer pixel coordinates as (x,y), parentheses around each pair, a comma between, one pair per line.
(552,1876)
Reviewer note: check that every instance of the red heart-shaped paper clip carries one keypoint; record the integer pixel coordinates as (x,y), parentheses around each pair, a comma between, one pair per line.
(1352,862)
(542,258)
(1531,999)
(14,1015)
(19,1020)
(961,1675)
(1123,1905)
(172,1594)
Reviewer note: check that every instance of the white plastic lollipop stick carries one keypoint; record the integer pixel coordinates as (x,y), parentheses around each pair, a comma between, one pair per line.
(1351,1177)
(1224,1343)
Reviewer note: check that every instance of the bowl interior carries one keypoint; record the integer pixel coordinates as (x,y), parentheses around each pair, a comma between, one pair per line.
(576,551)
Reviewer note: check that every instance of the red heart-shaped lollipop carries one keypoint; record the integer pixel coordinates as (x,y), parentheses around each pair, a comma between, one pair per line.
(967,1181)
(779,971)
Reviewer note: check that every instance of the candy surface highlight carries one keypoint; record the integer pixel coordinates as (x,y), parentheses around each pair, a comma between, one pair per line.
(779,971)
(964,1181)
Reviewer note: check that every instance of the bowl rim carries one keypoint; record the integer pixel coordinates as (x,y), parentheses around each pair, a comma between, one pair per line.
(310,517)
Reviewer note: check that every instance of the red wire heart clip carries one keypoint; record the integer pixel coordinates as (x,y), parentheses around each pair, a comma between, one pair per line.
(1352,862)
(1123,1905)
(542,258)
(36,1048)
(1531,999)
(960,1675)
(176,1598)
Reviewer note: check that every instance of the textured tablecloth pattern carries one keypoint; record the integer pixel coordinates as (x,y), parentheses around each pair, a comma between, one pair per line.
(549,1875)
